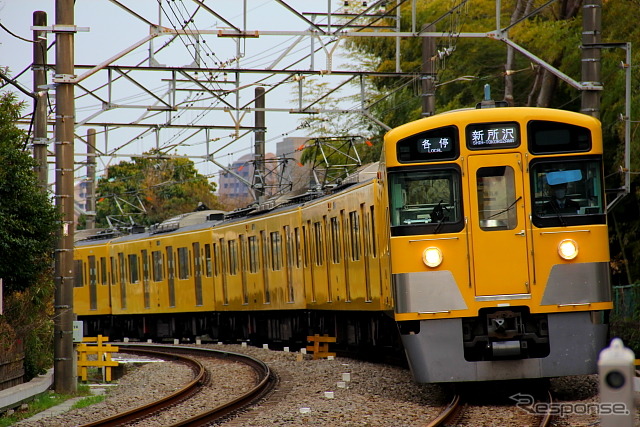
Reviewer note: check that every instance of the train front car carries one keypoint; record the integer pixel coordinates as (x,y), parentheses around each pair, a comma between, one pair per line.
(499,243)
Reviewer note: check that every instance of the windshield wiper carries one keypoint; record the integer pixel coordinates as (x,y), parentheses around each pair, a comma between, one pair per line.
(439,211)
(556,210)
(507,209)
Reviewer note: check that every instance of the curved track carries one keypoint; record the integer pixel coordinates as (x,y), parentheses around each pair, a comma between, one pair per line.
(265,382)
(456,407)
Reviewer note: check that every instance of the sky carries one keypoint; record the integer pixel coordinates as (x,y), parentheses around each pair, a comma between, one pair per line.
(112,30)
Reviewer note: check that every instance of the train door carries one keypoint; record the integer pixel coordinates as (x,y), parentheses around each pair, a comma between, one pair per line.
(499,243)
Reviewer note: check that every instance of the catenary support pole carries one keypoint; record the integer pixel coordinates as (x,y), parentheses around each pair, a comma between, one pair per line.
(428,72)
(90,206)
(259,168)
(40,112)
(64,360)
(591,54)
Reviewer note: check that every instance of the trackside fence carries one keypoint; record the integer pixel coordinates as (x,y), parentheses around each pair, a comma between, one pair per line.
(11,364)
(625,301)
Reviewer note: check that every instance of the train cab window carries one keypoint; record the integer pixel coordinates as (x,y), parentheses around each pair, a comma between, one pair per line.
(425,201)
(158,267)
(567,191)
(496,198)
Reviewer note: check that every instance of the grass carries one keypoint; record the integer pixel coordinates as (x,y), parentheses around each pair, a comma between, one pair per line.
(48,400)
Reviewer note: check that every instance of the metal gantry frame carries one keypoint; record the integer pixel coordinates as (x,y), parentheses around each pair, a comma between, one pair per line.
(218,91)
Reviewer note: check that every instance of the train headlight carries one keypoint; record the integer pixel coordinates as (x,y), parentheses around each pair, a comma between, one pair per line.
(432,257)
(568,249)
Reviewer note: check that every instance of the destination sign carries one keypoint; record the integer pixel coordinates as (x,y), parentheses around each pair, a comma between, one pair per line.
(493,135)
(434,145)
(431,145)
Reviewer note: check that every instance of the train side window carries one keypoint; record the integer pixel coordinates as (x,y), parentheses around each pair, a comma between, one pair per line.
(298,256)
(123,280)
(317,226)
(79,274)
(183,263)
(145,265)
(305,245)
(123,268)
(276,251)
(132,259)
(335,240)
(223,272)
(114,269)
(354,226)
(104,277)
(216,260)
(158,268)
(374,245)
(496,198)
(93,276)
(233,257)
(264,241)
(253,254)
(207,260)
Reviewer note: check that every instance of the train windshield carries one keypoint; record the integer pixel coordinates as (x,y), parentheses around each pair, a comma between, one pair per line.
(425,197)
(567,192)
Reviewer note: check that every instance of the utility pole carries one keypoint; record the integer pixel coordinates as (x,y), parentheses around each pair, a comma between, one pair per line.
(591,54)
(90,206)
(259,168)
(40,113)
(64,357)
(428,73)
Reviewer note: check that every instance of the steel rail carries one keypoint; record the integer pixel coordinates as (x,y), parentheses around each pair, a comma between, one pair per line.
(144,410)
(265,382)
(447,413)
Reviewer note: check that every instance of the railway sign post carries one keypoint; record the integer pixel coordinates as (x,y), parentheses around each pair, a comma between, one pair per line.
(616,372)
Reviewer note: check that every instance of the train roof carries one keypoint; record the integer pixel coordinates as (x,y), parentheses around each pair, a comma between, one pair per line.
(183,222)
(363,174)
(199,220)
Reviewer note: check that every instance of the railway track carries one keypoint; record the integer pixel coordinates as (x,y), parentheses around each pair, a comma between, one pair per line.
(453,413)
(265,381)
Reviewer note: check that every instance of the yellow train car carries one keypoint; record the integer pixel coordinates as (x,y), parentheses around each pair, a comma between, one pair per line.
(481,238)
(92,278)
(314,263)
(499,243)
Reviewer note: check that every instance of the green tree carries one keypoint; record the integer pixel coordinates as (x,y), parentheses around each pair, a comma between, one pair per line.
(149,190)
(28,221)
(27,216)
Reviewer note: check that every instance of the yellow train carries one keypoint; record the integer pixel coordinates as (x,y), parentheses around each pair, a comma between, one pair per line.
(480,237)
